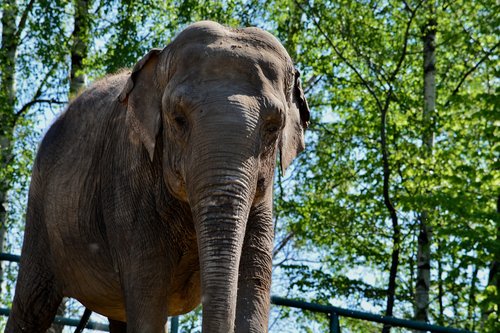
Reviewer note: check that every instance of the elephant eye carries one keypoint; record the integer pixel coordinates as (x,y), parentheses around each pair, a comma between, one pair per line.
(272,117)
(272,129)
(180,121)
(274,123)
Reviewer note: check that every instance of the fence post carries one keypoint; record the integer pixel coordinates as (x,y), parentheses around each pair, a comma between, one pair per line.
(174,324)
(334,322)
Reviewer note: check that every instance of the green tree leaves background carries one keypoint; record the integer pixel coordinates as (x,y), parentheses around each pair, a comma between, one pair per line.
(360,60)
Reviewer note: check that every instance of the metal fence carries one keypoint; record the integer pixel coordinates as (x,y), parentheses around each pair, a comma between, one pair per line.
(332,312)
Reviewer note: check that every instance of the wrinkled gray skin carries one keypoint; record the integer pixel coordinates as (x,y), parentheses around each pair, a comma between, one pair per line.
(153,191)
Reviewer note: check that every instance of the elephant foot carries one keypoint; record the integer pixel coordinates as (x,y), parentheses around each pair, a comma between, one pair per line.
(116,326)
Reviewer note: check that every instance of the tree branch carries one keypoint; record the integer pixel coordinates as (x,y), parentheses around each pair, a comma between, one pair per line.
(26,106)
(283,243)
(469,72)
(340,54)
(312,82)
(24,18)
(407,7)
(396,232)
(36,97)
(405,43)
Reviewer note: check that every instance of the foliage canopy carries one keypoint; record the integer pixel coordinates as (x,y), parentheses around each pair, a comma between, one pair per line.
(362,67)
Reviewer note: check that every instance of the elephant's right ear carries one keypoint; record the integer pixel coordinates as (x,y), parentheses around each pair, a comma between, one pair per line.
(144,100)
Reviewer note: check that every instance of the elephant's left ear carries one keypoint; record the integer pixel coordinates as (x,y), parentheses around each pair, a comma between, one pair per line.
(144,101)
(297,120)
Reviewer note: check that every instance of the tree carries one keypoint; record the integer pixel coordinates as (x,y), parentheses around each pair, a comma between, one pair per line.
(371,50)
(423,278)
(17,99)
(389,181)
(11,34)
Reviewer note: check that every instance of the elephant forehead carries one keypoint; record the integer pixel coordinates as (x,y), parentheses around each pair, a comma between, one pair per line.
(222,64)
(232,55)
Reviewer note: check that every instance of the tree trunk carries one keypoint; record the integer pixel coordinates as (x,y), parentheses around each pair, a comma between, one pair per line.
(471,320)
(423,280)
(79,48)
(494,278)
(440,290)
(396,229)
(7,102)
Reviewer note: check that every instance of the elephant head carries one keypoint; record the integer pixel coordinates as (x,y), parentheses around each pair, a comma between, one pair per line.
(215,107)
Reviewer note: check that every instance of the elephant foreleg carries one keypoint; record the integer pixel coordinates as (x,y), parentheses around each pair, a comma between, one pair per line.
(254,282)
(146,306)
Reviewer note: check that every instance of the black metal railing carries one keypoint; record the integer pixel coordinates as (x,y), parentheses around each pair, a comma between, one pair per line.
(69,322)
(332,312)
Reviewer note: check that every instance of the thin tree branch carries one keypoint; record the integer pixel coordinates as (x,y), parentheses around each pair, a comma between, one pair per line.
(38,92)
(405,43)
(36,96)
(26,106)
(378,71)
(23,20)
(312,82)
(340,54)
(407,6)
(283,243)
(469,72)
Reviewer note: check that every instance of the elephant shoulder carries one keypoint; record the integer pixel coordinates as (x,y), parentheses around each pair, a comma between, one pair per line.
(81,128)
(93,106)
(101,95)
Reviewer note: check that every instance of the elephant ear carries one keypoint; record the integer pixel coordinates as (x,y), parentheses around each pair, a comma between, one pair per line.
(297,120)
(143,101)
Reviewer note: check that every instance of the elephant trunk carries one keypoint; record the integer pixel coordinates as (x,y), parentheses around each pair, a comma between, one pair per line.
(221,203)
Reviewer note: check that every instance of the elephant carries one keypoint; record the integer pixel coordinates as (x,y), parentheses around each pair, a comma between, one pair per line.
(152,192)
